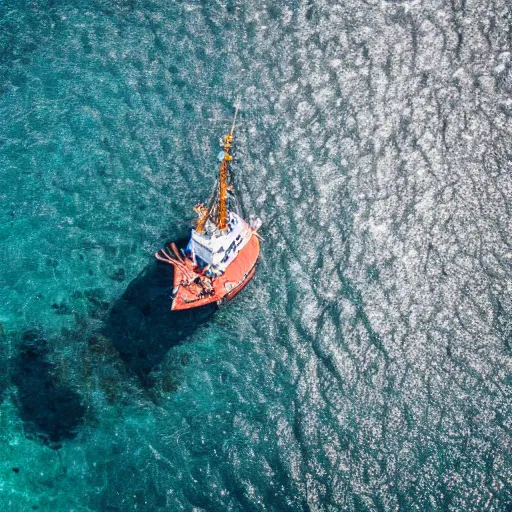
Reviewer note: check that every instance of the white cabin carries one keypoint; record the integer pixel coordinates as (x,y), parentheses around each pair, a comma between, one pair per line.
(216,248)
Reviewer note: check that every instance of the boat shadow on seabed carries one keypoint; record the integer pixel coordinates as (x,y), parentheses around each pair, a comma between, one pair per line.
(141,325)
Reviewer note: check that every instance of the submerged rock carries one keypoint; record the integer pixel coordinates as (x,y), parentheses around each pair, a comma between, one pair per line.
(119,275)
(62,308)
(49,409)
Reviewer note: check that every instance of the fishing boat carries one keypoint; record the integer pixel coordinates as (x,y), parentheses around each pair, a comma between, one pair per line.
(221,255)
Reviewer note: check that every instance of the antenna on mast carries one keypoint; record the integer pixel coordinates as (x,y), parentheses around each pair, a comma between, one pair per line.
(237,106)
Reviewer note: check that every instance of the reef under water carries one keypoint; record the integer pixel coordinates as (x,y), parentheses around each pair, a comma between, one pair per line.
(48,408)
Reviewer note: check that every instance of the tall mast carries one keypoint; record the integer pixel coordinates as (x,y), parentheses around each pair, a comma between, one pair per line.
(222,218)
(222,210)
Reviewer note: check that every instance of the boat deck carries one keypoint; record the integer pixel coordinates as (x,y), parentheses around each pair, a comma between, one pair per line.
(190,293)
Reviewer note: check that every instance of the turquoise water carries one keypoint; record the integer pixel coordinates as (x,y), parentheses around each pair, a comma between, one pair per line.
(367,366)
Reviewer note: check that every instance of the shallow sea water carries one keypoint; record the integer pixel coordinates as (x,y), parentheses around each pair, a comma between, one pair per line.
(367,366)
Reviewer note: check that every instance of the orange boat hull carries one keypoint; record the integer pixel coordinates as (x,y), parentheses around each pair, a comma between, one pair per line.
(238,274)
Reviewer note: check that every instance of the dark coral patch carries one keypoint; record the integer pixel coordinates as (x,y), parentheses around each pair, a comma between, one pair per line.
(49,409)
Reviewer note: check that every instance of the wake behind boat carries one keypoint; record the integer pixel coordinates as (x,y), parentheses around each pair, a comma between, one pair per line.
(221,255)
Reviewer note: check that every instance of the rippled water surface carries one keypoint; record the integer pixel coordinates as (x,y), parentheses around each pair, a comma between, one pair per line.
(367,366)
